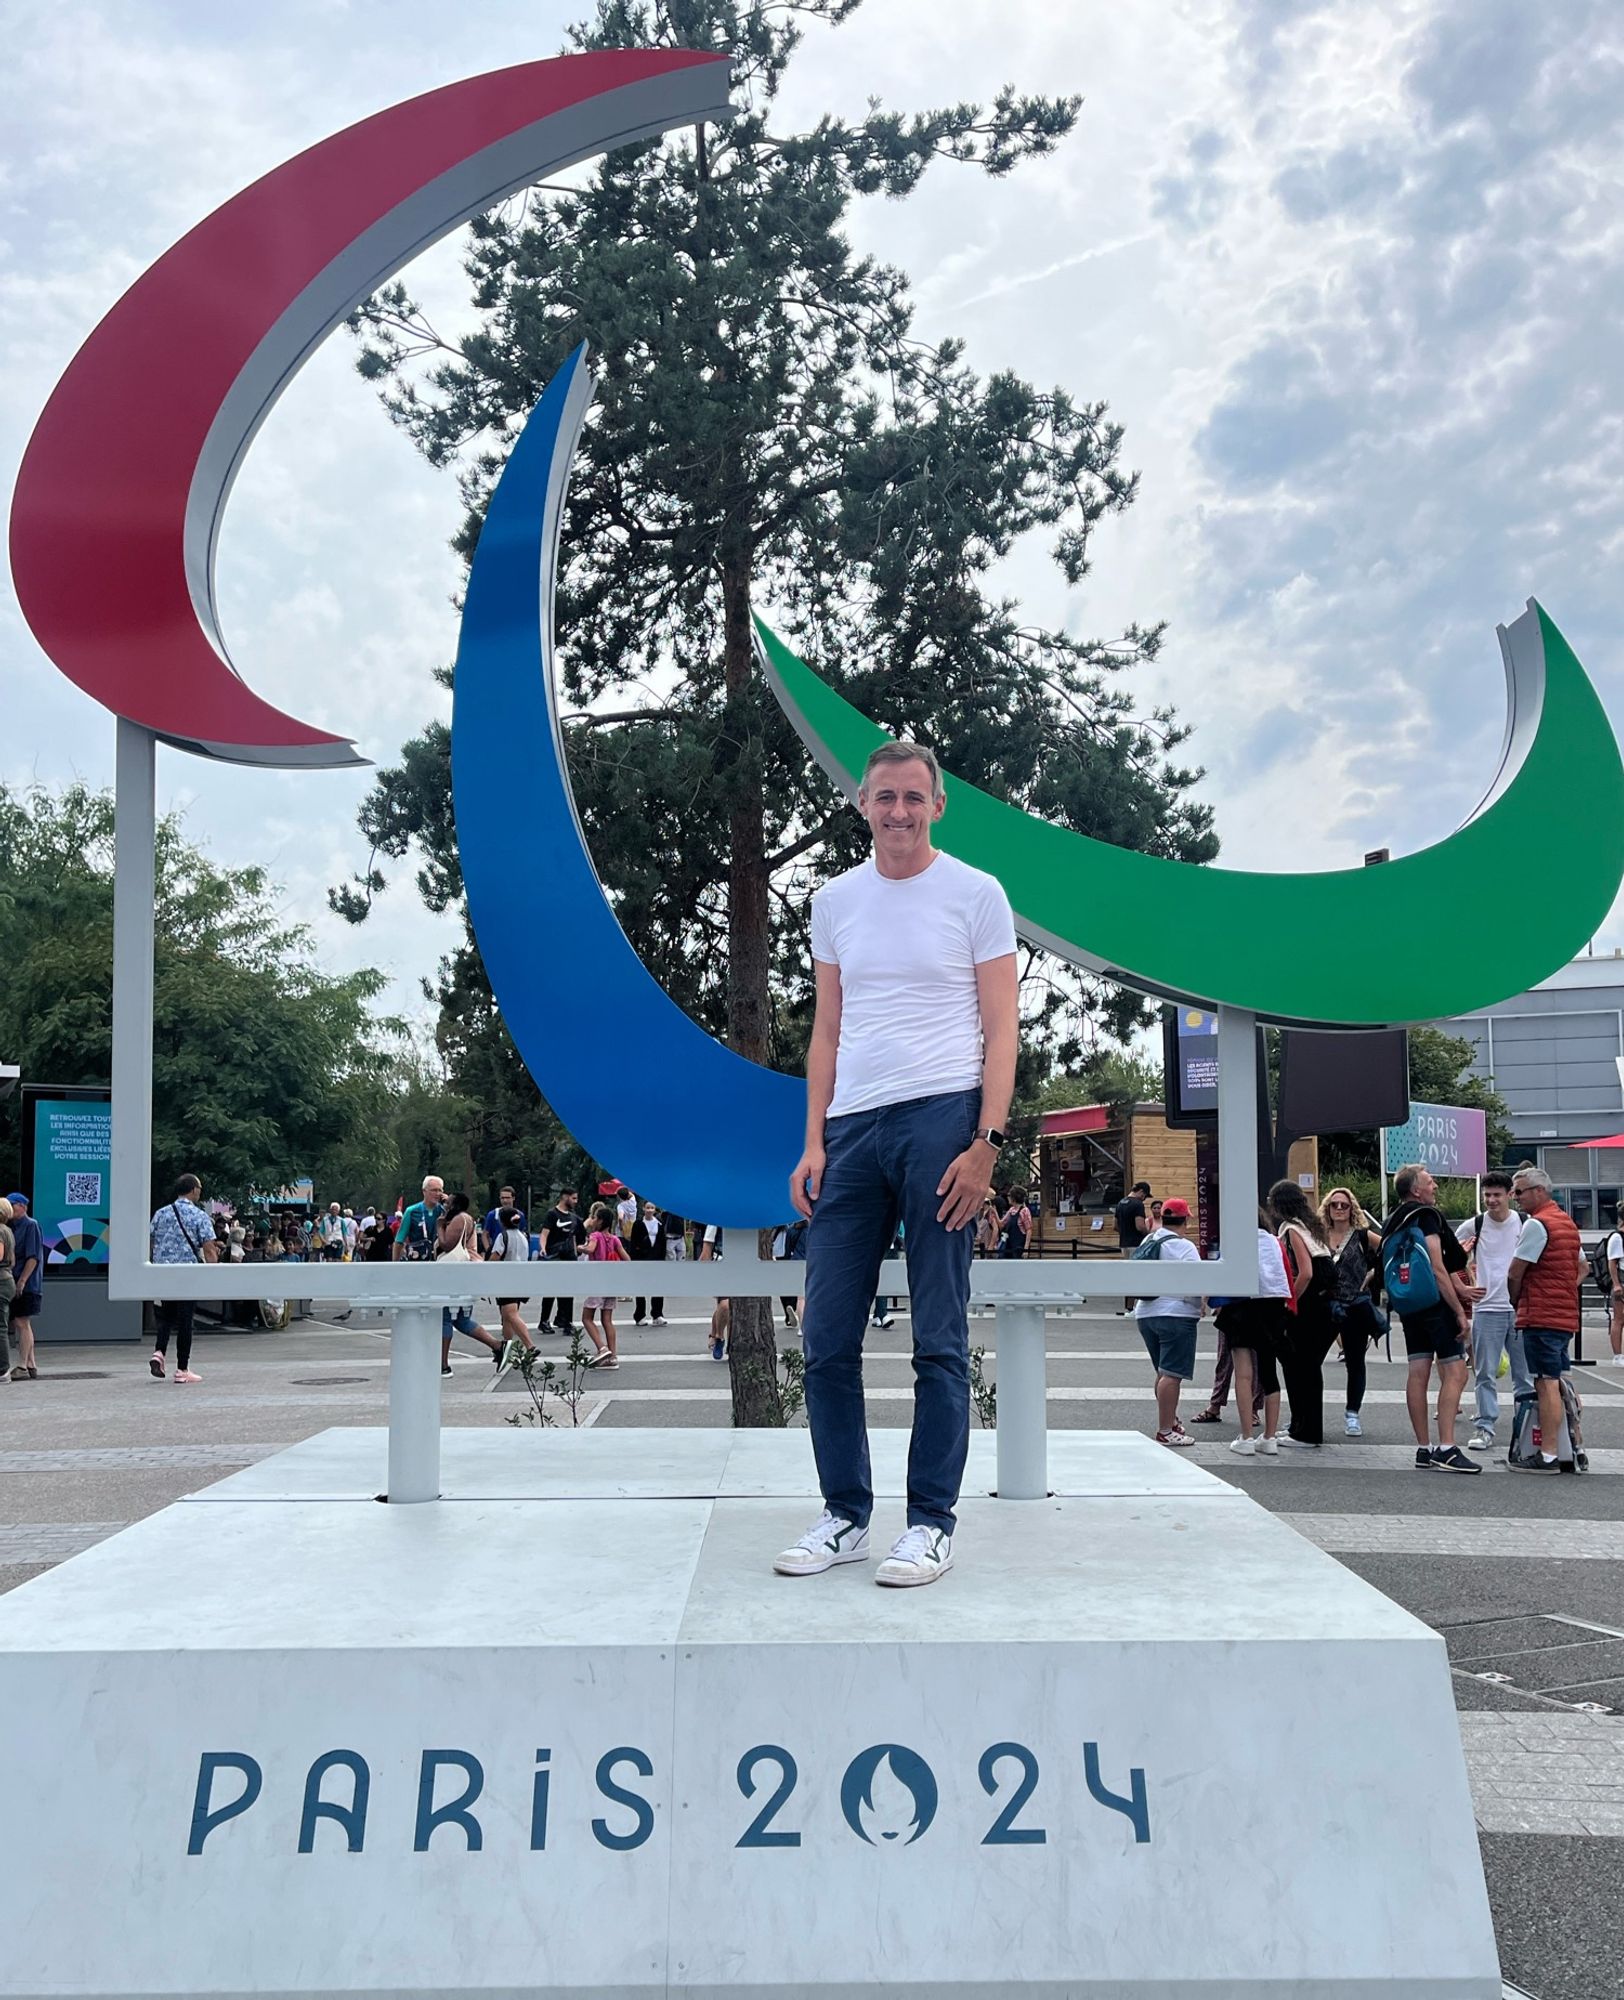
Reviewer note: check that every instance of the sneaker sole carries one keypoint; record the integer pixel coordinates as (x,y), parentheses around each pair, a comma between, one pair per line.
(912,1582)
(1439,1466)
(780,1568)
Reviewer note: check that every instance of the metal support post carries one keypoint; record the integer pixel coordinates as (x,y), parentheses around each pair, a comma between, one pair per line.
(1023,1414)
(414,1404)
(134,892)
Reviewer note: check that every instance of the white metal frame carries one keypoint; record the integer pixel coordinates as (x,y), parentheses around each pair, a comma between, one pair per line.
(1019,1289)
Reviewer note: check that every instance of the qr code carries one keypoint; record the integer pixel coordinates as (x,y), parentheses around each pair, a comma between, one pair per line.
(84,1190)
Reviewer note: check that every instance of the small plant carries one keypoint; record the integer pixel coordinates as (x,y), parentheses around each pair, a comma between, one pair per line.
(553,1383)
(792,1382)
(983,1394)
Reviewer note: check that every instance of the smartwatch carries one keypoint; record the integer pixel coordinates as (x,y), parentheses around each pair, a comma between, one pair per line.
(993,1137)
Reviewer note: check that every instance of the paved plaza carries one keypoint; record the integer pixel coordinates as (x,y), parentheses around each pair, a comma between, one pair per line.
(1524,1577)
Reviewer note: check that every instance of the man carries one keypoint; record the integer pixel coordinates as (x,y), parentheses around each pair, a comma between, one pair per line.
(1491,1244)
(562,1233)
(647,1245)
(351,1235)
(1438,1332)
(331,1234)
(1168,1325)
(417,1241)
(625,1212)
(1133,1225)
(28,1275)
(180,1234)
(491,1224)
(909,1077)
(1615,1316)
(1543,1282)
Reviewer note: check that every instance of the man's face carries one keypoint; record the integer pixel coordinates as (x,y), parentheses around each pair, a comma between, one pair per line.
(897,803)
(433,1193)
(1497,1203)
(504,1197)
(568,1201)
(332,1208)
(1530,1198)
(1426,1188)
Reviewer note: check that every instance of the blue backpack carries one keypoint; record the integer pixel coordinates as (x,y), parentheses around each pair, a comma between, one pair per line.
(1407,1270)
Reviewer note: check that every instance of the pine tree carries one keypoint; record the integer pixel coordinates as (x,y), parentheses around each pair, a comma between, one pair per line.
(771,429)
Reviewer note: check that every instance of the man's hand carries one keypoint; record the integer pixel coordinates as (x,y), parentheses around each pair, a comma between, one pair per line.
(965,1184)
(806,1183)
(1470,1294)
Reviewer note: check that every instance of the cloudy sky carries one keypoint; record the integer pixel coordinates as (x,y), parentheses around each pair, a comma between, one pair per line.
(1352,276)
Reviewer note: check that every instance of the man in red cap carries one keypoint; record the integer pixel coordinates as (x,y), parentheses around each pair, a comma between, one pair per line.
(1168,1325)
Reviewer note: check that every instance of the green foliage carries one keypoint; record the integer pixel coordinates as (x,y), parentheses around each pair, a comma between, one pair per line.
(263,1067)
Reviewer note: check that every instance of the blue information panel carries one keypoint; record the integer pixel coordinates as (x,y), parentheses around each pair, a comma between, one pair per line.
(71,1159)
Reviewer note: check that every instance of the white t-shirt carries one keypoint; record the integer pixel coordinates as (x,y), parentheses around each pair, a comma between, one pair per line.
(1176,1249)
(1272,1274)
(1615,1247)
(1494,1255)
(910,1014)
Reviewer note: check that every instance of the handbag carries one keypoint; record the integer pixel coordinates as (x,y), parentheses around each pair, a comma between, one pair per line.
(458,1253)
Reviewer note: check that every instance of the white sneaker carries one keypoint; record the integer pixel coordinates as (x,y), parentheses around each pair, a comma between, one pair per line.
(831,1540)
(1268,1447)
(919,1556)
(660,1319)
(1480,1441)
(1295,1444)
(1351,1424)
(1244,1447)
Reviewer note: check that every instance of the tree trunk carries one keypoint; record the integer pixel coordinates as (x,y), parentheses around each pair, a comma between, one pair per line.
(752,1347)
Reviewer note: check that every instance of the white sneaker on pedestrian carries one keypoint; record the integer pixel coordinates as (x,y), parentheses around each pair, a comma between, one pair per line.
(1480,1441)
(1244,1447)
(1351,1424)
(1296,1444)
(830,1540)
(919,1556)
(1268,1447)
(660,1319)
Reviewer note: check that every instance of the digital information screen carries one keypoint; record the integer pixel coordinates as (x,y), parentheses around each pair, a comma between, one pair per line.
(72,1153)
(1198,1060)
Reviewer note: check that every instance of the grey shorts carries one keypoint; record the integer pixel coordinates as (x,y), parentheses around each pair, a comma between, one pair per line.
(1170,1343)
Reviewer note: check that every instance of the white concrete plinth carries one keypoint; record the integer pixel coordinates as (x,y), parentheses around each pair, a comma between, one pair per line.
(564,1732)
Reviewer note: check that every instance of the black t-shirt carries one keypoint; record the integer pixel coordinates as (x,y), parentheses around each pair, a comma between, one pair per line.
(1430,1222)
(563,1229)
(1130,1212)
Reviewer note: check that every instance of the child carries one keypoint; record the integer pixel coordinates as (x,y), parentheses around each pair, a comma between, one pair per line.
(603,1246)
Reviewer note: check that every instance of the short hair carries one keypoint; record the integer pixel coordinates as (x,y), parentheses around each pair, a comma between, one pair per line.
(186,1185)
(1405,1179)
(433,1177)
(504,1189)
(1534,1177)
(1140,1187)
(902,750)
(1497,1178)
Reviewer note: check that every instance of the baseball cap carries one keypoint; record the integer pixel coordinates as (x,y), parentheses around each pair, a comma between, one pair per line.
(18,1196)
(1177,1208)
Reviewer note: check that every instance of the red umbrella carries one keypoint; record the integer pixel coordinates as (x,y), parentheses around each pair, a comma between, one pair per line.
(1594,1144)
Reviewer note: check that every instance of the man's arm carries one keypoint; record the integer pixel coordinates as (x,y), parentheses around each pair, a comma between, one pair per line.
(1520,1267)
(964,1186)
(30,1266)
(1446,1284)
(806,1182)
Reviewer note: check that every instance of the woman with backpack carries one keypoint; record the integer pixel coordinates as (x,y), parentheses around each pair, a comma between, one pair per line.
(1016,1226)
(511,1245)
(603,1246)
(1310,1328)
(1356,1245)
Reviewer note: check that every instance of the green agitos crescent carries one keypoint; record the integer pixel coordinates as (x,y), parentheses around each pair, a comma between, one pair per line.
(1374,947)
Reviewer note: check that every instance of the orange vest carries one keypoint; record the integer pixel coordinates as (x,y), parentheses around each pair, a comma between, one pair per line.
(1550,1288)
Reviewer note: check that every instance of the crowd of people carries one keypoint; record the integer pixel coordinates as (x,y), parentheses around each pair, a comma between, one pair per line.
(1501,1295)
(616,1229)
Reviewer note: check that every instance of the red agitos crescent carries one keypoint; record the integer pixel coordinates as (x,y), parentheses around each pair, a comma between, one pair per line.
(117,508)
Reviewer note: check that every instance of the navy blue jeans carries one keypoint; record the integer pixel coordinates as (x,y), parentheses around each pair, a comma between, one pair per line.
(881,1165)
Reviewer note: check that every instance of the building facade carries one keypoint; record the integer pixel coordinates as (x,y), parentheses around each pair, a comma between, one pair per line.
(1553,1054)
